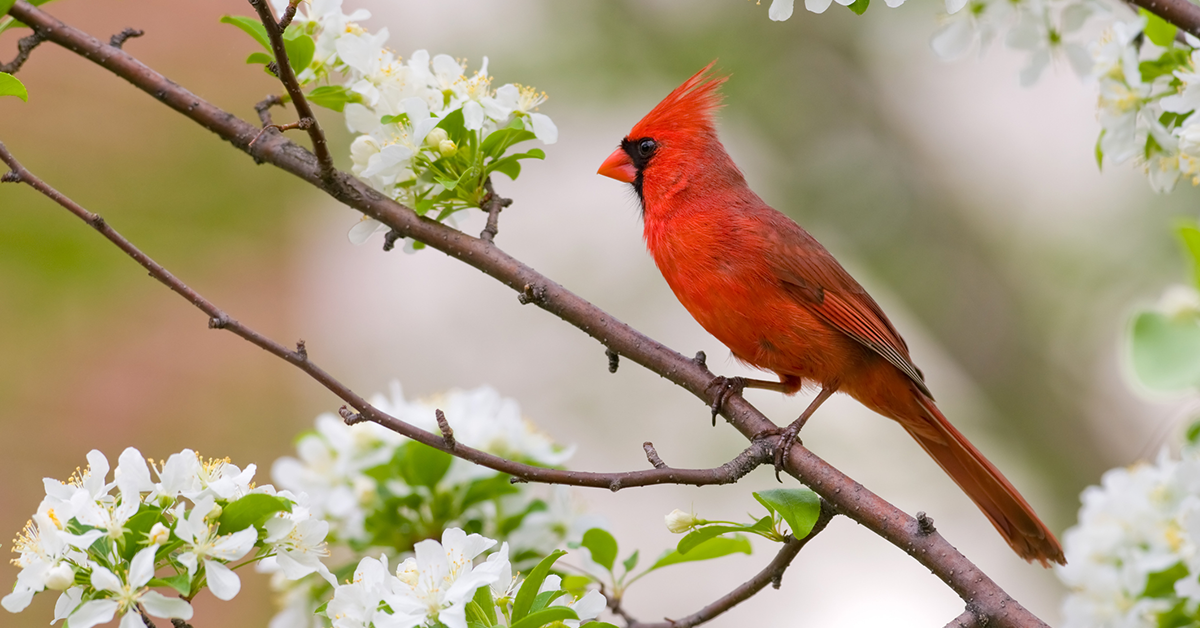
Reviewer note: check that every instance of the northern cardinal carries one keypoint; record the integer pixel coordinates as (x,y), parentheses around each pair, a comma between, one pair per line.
(765,288)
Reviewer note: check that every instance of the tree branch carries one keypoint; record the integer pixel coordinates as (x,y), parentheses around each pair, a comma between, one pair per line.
(24,47)
(283,69)
(1181,13)
(772,574)
(844,494)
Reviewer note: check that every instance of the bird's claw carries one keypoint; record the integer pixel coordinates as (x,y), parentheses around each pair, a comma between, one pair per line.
(789,439)
(724,388)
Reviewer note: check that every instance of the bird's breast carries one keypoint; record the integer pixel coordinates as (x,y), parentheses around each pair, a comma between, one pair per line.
(718,273)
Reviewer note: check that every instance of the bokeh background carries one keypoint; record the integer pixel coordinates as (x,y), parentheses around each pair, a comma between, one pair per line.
(970,207)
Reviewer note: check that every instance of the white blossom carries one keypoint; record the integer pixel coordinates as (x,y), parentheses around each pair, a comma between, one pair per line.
(127,594)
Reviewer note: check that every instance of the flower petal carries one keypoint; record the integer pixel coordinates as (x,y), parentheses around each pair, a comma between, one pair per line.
(782,9)
(224,583)
(160,605)
(544,128)
(92,613)
(472,115)
(816,6)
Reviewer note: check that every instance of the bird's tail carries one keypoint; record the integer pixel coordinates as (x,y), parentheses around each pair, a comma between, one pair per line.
(985,485)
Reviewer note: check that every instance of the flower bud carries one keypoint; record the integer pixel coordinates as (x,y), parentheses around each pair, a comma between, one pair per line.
(158,535)
(679,522)
(447,148)
(436,137)
(60,577)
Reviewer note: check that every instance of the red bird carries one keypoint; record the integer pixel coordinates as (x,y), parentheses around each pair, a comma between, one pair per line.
(765,288)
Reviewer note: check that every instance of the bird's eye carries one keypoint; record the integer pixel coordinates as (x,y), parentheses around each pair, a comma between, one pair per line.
(646,147)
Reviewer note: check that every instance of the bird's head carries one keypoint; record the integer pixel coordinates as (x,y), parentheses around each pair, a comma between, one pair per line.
(677,133)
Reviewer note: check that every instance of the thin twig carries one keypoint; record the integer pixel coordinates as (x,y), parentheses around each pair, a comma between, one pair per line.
(263,108)
(283,69)
(445,429)
(118,40)
(966,620)
(24,47)
(492,203)
(772,574)
(288,14)
(302,123)
(848,496)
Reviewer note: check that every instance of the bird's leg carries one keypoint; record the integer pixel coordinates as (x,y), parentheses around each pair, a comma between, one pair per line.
(728,386)
(789,435)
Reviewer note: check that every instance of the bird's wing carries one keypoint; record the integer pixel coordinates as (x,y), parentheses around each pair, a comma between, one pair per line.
(815,279)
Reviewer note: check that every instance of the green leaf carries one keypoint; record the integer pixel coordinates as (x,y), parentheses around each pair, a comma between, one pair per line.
(136,530)
(1191,241)
(575,585)
(5,5)
(1162,583)
(300,51)
(859,6)
(500,140)
(333,97)
(250,510)
(712,548)
(320,610)
(631,562)
(252,27)
(1193,433)
(259,57)
(11,86)
(602,545)
(180,582)
(507,166)
(1160,31)
(453,125)
(486,605)
(799,507)
(1100,150)
(1166,351)
(700,535)
(544,617)
(544,599)
(529,589)
(1170,61)
(422,465)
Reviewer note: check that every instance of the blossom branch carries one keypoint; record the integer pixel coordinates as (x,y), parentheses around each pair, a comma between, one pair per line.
(844,494)
(772,574)
(283,69)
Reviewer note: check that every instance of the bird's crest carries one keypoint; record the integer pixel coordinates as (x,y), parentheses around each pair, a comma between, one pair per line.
(689,107)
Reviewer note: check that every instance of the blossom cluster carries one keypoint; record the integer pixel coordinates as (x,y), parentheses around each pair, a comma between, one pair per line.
(429,134)
(383,494)
(1134,558)
(101,542)
(440,584)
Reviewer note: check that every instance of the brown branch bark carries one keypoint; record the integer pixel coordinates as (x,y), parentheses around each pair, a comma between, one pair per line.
(847,496)
(772,574)
(1181,13)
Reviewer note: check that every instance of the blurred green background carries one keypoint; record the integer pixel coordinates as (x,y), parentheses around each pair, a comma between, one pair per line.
(970,207)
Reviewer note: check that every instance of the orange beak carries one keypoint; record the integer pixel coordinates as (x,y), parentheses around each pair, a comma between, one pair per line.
(618,166)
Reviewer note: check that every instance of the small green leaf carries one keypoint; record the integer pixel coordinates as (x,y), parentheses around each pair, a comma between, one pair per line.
(1193,433)
(1166,351)
(508,166)
(1167,63)
(250,510)
(712,548)
(11,86)
(485,605)
(499,140)
(859,6)
(5,5)
(529,589)
(320,610)
(180,582)
(259,57)
(575,585)
(799,507)
(300,51)
(454,126)
(136,530)
(602,545)
(544,599)
(700,535)
(1158,30)
(544,617)
(1100,150)
(333,97)
(631,562)
(1191,241)
(1162,583)
(252,27)
(422,465)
